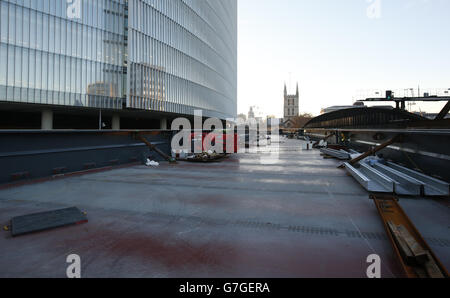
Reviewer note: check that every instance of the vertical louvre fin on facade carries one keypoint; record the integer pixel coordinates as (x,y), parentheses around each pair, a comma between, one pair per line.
(171,56)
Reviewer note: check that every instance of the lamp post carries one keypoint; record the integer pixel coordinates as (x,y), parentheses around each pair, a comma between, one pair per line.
(412,95)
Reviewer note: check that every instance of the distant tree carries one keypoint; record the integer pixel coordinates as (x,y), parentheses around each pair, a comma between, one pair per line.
(243,116)
(307,115)
(300,121)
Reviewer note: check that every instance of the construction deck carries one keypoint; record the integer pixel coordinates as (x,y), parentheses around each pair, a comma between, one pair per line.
(291,214)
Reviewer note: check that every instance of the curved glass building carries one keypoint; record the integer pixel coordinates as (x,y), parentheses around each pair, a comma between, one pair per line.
(165,57)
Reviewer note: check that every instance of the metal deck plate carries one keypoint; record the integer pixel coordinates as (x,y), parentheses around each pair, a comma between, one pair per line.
(36,222)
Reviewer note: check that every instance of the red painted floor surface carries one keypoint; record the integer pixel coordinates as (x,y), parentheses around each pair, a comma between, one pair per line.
(292,214)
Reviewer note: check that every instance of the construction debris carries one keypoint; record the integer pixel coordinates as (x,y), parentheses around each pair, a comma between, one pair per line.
(42,221)
(323,143)
(411,251)
(151,163)
(206,157)
(157,150)
(415,256)
(397,138)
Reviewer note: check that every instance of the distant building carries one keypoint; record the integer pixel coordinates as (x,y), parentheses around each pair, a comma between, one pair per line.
(289,123)
(291,104)
(251,114)
(146,59)
(242,116)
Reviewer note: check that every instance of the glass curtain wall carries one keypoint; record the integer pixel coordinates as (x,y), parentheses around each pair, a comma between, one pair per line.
(170,56)
(48,58)
(183,56)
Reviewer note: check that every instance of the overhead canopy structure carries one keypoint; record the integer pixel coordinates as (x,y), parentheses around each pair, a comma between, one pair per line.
(365,117)
(400,102)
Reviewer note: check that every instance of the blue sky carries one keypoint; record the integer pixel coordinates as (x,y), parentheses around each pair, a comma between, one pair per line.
(333,48)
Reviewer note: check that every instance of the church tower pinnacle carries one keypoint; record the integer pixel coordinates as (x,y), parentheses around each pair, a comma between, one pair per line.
(291,103)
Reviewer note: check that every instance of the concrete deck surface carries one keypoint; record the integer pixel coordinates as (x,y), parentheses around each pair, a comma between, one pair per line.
(291,214)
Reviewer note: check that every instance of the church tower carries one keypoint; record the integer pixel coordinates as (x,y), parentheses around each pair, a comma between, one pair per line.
(291,104)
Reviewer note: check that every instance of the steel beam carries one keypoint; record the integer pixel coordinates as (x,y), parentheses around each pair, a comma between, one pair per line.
(432,186)
(386,182)
(336,153)
(395,139)
(405,185)
(370,180)
(444,111)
